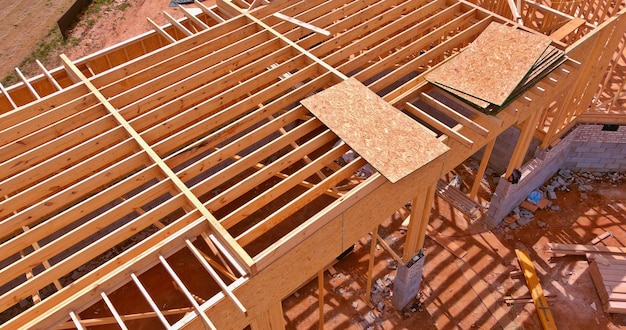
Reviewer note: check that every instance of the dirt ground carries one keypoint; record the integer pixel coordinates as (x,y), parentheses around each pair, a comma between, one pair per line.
(26,28)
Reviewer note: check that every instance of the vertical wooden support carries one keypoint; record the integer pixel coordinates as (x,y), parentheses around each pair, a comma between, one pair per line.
(320,290)
(523,142)
(370,267)
(420,214)
(481,169)
(270,319)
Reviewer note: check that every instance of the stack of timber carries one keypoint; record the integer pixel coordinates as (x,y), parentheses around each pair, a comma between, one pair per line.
(608,273)
(607,266)
(497,67)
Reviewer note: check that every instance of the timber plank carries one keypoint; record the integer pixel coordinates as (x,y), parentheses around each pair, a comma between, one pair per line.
(541,304)
(390,141)
(581,249)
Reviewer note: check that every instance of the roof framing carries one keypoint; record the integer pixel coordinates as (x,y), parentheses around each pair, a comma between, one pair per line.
(202,147)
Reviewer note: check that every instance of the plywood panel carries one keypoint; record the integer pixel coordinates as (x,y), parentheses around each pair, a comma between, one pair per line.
(494,64)
(390,141)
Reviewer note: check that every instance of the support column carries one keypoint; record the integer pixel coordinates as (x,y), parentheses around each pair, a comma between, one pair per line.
(320,289)
(522,143)
(270,319)
(409,275)
(481,169)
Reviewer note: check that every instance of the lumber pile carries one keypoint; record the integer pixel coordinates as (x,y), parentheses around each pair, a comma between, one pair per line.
(497,67)
(609,277)
(458,199)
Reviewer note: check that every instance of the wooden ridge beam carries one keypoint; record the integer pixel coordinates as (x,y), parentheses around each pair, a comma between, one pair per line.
(287,41)
(443,128)
(223,235)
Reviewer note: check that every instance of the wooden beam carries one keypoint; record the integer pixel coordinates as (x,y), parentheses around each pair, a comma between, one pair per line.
(76,321)
(521,148)
(388,248)
(113,311)
(194,18)
(443,128)
(27,84)
(232,246)
(580,249)
(9,98)
(420,214)
(568,28)
(515,12)
(127,317)
(209,12)
(541,304)
(48,75)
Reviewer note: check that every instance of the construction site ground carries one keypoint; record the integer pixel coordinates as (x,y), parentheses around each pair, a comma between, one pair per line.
(469,293)
(456,293)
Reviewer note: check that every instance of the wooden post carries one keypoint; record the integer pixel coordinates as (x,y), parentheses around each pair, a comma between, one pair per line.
(522,143)
(420,213)
(320,290)
(370,267)
(481,169)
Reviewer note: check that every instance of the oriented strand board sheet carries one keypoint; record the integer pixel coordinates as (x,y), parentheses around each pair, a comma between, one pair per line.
(389,140)
(494,64)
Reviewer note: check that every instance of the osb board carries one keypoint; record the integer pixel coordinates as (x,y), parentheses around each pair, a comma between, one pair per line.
(390,141)
(492,65)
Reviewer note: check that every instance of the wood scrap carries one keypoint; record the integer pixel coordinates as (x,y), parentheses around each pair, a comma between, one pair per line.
(532,281)
(525,299)
(581,250)
(601,237)
(610,283)
(529,206)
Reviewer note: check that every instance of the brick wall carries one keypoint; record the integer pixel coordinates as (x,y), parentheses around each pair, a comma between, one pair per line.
(597,150)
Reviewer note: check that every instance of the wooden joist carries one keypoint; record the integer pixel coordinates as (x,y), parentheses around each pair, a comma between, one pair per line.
(458,199)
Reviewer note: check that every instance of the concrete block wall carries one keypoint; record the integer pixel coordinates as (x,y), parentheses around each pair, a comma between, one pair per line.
(597,150)
(534,173)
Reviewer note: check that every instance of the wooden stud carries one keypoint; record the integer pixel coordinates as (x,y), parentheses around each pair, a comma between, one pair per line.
(388,248)
(186,292)
(481,169)
(27,84)
(48,75)
(521,148)
(76,321)
(320,298)
(215,276)
(177,24)
(370,265)
(150,301)
(198,22)
(113,311)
